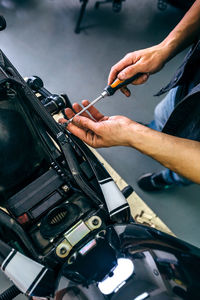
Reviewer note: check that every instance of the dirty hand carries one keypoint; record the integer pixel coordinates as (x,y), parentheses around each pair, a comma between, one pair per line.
(146,61)
(98,130)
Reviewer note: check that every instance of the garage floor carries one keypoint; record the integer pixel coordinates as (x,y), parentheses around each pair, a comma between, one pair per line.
(40,40)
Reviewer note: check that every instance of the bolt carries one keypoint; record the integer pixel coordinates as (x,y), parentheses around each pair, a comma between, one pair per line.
(95,222)
(65,188)
(63,250)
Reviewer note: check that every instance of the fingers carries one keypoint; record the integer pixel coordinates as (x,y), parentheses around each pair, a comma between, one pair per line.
(125,91)
(93,111)
(129,66)
(142,79)
(117,68)
(86,123)
(83,127)
(81,133)
(69,113)
(77,107)
(130,71)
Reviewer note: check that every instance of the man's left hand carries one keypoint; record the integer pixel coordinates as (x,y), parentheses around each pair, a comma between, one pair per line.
(96,129)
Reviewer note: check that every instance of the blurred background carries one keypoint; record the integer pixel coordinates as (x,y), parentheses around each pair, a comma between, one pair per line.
(40,40)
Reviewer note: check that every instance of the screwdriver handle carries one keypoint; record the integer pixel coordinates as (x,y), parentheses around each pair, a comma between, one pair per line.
(118,84)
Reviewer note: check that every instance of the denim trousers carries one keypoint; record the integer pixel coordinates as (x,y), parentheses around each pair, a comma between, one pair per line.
(161,114)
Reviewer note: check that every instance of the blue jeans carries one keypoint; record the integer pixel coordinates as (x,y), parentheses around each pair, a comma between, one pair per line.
(161,114)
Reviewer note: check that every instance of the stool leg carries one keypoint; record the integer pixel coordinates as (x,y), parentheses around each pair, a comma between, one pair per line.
(82,11)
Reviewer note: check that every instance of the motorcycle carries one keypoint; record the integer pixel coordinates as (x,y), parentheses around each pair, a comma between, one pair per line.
(65,227)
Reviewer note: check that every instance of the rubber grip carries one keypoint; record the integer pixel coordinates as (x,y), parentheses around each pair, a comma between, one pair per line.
(118,84)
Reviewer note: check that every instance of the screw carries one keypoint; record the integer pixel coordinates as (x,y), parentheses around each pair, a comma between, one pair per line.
(63,250)
(65,188)
(95,222)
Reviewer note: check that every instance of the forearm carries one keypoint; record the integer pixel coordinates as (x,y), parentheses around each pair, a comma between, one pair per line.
(178,154)
(184,34)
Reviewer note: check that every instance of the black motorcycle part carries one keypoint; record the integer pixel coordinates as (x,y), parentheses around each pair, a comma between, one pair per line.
(59,219)
(41,188)
(10,293)
(8,222)
(62,217)
(19,156)
(86,269)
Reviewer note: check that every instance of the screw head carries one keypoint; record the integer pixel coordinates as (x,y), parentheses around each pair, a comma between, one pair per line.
(95,222)
(63,250)
(65,187)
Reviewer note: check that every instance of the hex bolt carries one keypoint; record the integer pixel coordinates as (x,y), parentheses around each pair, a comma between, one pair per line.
(65,188)
(95,222)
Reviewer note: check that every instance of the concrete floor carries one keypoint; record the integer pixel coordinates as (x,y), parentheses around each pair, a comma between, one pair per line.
(40,40)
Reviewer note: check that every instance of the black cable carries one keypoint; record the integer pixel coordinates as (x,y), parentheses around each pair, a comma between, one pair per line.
(76,172)
(10,223)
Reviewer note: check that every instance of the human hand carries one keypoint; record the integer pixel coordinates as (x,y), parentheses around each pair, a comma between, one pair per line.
(146,61)
(98,130)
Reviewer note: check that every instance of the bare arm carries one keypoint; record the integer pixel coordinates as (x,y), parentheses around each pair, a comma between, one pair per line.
(178,154)
(152,59)
(185,33)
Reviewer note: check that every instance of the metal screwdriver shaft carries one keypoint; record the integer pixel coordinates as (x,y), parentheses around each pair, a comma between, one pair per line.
(108,91)
(104,94)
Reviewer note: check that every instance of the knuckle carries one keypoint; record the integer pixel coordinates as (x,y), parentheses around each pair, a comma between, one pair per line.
(112,70)
(128,55)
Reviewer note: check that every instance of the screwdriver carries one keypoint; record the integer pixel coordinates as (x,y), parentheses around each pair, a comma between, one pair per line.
(108,91)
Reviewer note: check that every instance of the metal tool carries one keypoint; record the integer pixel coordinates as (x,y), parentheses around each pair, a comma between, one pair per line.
(108,91)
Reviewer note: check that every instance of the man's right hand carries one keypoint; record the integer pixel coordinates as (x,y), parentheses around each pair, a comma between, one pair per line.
(146,61)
